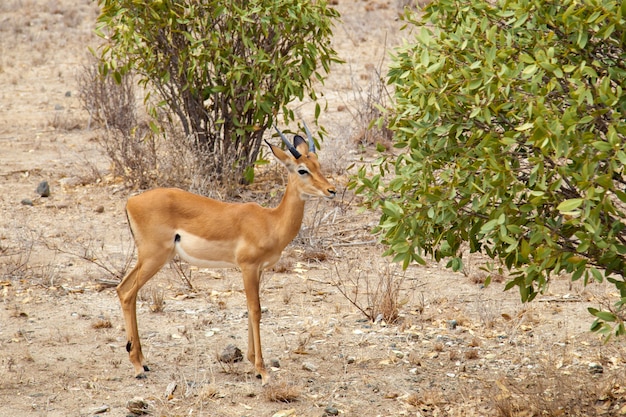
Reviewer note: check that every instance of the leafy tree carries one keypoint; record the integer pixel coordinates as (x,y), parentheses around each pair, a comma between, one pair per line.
(509,120)
(223,68)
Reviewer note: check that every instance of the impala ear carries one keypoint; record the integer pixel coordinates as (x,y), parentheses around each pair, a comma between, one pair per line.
(300,144)
(281,155)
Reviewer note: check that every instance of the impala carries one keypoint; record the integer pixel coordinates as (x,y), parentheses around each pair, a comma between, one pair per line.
(208,233)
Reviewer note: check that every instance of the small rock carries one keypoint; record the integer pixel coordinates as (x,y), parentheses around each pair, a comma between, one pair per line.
(68,94)
(351,360)
(138,406)
(98,410)
(27,202)
(231,354)
(331,411)
(275,363)
(285,413)
(43,189)
(308,366)
(399,354)
(452,324)
(99,209)
(70,182)
(595,368)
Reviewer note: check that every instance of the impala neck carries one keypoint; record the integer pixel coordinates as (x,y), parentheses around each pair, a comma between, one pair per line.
(289,213)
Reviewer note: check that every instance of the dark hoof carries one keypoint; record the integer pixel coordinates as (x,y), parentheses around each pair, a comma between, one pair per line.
(141,376)
(145,368)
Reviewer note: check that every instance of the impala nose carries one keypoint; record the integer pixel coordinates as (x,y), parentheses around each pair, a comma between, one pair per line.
(331,192)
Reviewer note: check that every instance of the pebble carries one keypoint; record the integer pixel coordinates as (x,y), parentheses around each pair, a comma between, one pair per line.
(595,368)
(99,209)
(98,410)
(274,363)
(231,354)
(308,366)
(452,324)
(399,354)
(351,359)
(43,189)
(285,413)
(138,406)
(27,202)
(331,411)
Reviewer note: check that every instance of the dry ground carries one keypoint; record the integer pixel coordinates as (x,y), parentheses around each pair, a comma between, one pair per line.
(457,349)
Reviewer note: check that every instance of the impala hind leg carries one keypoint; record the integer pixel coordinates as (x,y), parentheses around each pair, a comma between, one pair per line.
(251,279)
(127,293)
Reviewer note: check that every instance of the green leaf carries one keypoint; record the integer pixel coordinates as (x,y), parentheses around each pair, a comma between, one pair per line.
(489,226)
(569,205)
(603,315)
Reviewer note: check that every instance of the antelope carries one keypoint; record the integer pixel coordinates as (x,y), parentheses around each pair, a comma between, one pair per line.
(214,234)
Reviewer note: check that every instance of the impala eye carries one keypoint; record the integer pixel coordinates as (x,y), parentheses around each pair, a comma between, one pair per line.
(303,172)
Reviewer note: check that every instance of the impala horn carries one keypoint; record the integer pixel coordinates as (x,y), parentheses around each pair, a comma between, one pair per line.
(293,150)
(311,141)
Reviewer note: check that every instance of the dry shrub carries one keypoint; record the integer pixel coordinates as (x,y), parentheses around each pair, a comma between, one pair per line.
(370,104)
(471,354)
(552,393)
(143,155)
(96,252)
(429,401)
(14,260)
(102,324)
(282,392)
(375,293)
(157,300)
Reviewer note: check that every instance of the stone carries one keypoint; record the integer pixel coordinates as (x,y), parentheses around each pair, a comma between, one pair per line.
(595,368)
(285,413)
(308,366)
(138,406)
(98,410)
(43,189)
(231,354)
(331,411)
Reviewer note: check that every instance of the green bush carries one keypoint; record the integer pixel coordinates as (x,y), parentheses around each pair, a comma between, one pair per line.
(509,120)
(223,68)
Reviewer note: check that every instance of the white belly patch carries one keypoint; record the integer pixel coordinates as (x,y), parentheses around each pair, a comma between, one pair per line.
(205,253)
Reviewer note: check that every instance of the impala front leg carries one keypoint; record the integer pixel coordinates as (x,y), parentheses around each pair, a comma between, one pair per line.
(127,294)
(251,279)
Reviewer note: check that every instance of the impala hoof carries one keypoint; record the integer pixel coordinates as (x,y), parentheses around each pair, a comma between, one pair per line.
(141,376)
(264,377)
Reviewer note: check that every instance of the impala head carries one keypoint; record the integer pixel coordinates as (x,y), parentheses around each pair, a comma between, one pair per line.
(303,166)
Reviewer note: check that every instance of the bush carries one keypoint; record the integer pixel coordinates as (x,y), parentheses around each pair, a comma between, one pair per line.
(224,69)
(509,115)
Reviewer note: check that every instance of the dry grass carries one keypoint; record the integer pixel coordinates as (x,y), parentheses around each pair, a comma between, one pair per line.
(556,394)
(282,392)
(157,300)
(375,292)
(102,324)
(368,109)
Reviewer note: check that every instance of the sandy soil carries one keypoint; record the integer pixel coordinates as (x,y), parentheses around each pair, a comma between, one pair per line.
(457,348)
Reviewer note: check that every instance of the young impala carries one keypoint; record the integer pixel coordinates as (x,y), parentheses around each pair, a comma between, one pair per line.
(166,222)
